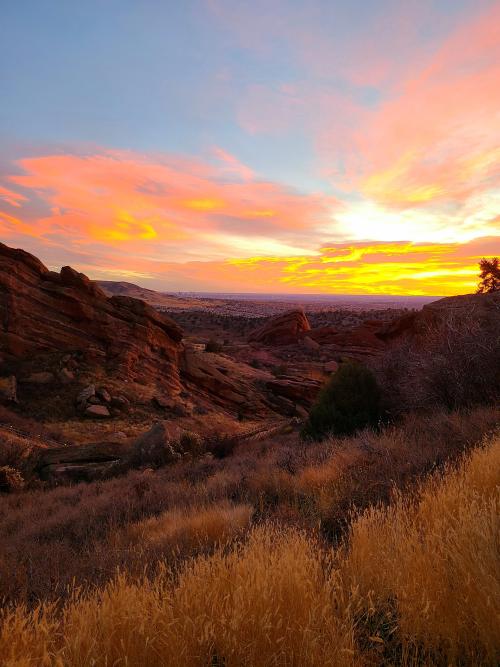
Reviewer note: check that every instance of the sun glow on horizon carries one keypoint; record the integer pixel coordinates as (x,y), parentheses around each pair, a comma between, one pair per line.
(289,152)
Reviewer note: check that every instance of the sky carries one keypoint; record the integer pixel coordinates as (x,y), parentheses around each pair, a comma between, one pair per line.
(254,146)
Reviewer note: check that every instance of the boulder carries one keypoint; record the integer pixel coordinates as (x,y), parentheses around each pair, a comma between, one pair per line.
(155,447)
(89,461)
(65,376)
(97,411)
(103,394)
(86,393)
(283,329)
(120,403)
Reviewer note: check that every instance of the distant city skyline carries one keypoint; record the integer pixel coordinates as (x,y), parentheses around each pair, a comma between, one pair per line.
(271,146)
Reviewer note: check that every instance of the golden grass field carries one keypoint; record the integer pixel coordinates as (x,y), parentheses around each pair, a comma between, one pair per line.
(413,581)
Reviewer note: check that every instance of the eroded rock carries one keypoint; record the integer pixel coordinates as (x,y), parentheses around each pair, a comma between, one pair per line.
(97,411)
(284,329)
(43,312)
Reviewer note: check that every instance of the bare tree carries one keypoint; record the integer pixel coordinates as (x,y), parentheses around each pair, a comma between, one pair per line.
(454,363)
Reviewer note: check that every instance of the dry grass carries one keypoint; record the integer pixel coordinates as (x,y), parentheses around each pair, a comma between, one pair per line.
(417,583)
(51,538)
(268,602)
(433,566)
(190,529)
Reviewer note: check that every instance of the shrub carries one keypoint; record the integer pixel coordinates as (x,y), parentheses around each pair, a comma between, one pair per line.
(213,346)
(453,364)
(10,479)
(349,401)
(220,445)
(13,450)
(191,443)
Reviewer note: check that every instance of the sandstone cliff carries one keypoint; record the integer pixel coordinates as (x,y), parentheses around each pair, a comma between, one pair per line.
(43,312)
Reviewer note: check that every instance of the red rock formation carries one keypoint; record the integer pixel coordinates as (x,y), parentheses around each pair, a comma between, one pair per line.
(301,390)
(44,312)
(484,309)
(293,326)
(230,391)
(363,337)
(284,329)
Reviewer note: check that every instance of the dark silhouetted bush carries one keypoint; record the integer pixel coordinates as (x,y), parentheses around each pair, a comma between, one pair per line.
(349,401)
(213,346)
(220,445)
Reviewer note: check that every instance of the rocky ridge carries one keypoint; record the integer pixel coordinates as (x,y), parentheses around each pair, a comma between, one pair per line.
(42,311)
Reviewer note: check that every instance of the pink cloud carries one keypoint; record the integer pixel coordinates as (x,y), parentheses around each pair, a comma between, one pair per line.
(438,139)
(157,204)
(10,197)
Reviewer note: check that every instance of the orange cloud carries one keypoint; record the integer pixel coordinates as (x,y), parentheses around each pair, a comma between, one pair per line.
(10,197)
(120,198)
(369,268)
(184,225)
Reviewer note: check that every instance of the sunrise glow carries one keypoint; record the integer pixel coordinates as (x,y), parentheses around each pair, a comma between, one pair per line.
(365,160)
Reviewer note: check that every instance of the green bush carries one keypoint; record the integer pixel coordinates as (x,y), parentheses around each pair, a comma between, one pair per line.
(350,400)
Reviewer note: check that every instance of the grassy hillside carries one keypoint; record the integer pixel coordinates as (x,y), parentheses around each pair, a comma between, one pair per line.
(252,561)
(409,587)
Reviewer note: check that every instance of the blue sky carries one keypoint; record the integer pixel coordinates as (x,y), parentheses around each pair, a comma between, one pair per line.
(318,100)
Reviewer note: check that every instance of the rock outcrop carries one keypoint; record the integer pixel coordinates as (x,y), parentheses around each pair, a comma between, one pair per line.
(224,388)
(482,309)
(43,312)
(284,329)
(359,341)
(299,390)
(293,327)
(80,462)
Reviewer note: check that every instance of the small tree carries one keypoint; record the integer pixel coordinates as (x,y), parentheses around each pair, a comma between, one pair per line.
(350,400)
(490,276)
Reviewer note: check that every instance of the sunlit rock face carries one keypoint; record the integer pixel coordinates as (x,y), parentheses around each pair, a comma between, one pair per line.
(44,312)
(283,329)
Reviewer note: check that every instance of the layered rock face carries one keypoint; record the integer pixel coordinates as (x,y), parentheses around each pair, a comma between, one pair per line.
(44,312)
(228,390)
(293,327)
(284,329)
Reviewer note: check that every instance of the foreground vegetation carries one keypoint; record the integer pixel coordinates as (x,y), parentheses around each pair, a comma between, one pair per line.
(379,548)
(412,583)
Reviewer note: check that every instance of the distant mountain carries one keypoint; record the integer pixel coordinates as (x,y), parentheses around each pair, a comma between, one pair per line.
(116,288)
